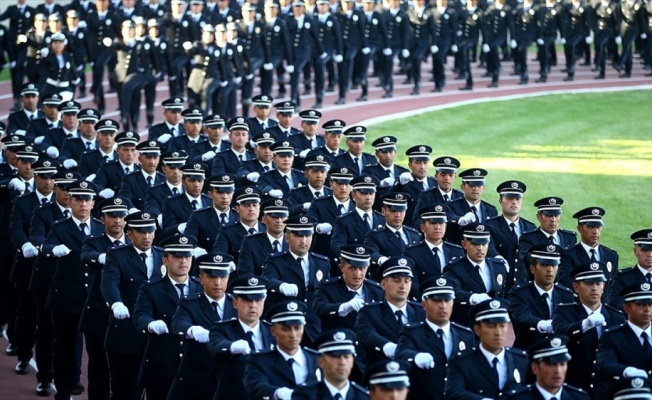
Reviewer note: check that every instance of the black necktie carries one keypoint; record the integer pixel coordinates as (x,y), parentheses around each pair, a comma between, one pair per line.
(181,287)
(435,251)
(290,362)
(317,195)
(276,247)
(266,168)
(512,227)
(117,243)
(368,221)
(240,158)
(251,231)
(175,191)
(215,308)
(593,259)
(338,396)
(250,340)
(353,293)
(646,346)
(149,181)
(106,158)
(194,204)
(222,218)
(28,189)
(648,277)
(358,164)
(494,362)
(400,239)
(440,339)
(340,208)
(474,210)
(44,200)
(551,239)
(172,131)
(544,298)
(66,213)
(82,227)
(126,171)
(446,198)
(88,146)
(143,256)
(399,317)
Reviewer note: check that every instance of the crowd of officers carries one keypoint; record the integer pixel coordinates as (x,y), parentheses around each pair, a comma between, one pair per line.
(211,50)
(248,259)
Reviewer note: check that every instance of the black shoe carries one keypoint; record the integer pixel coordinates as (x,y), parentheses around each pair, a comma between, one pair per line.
(11,350)
(330,89)
(408,81)
(466,87)
(306,91)
(600,76)
(362,98)
(542,79)
(585,64)
(317,105)
(625,75)
(523,81)
(43,389)
(459,77)
(341,100)
(617,67)
(569,78)
(594,69)
(415,91)
(436,89)
(648,74)
(354,86)
(22,368)
(486,75)
(82,94)
(388,95)
(564,70)
(493,85)
(78,388)
(482,65)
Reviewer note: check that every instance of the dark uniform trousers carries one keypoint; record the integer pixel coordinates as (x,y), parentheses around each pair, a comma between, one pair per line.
(267,371)
(619,348)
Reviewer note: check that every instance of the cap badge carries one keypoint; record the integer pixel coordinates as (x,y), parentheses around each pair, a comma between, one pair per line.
(494,304)
(70,104)
(30,86)
(476,172)
(552,201)
(439,208)
(556,342)
(367,179)
(108,123)
(402,261)
(645,286)
(551,248)
(29,148)
(175,154)
(83,185)
(359,250)
(145,215)
(266,135)
(303,220)
(69,175)
(649,235)
(320,158)
(177,100)
(286,144)
(278,202)
(514,185)
(595,266)
(117,200)
(311,113)
(337,123)
(399,196)
(129,134)
(480,228)
(292,306)
(358,129)
(386,139)
(183,240)
(422,148)
(15,138)
(46,163)
(253,281)
(344,170)
(196,111)
(240,120)
(441,282)
(637,383)
(447,160)
(393,366)
(339,336)
(249,190)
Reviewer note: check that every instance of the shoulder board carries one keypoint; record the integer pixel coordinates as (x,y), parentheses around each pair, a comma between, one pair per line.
(466,353)
(411,245)
(415,325)
(614,309)
(346,214)
(379,229)
(626,270)
(613,328)
(311,351)
(521,285)
(488,204)
(414,303)
(175,196)
(456,260)
(333,279)
(358,387)
(322,199)
(568,232)
(573,388)
(158,248)
(59,222)
(194,279)
(466,328)
(378,214)
(568,305)
(374,304)
(230,224)
(497,260)
(371,282)
(257,234)
(453,245)
(320,256)
(409,228)
(491,219)
(278,255)
(158,185)
(608,248)
(227,321)
(266,323)
(191,297)
(517,352)
(562,287)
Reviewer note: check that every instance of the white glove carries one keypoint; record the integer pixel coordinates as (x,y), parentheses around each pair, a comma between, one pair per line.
(198,252)
(53,152)
(21,39)
(382,259)
(224,83)
(252,144)
(159,327)
(289,69)
(592,321)
(60,250)
(468,218)
(231,266)
(199,333)
(249,77)
(276,193)
(366,50)
(619,40)
(304,153)
(387,182)
(459,33)
(106,193)
(387,51)
(29,251)
(283,393)
(338,58)
(187,46)
(405,53)
(454,48)
(588,39)
(39,140)
(102,259)
(389,349)
(90,178)
(120,311)
(209,155)
(240,347)
(159,220)
(424,360)
(562,41)
(237,80)
(434,49)
(323,55)
(182,227)
(132,210)
(643,36)
(12,64)
(512,44)
(478,298)
(253,177)
(631,372)
(540,42)
(172,78)
(404,178)
(485,48)
(17,184)
(20,132)
(81,25)
(355,304)
(306,206)
(545,326)
(164,138)
(44,52)
(69,163)
(324,228)
(289,289)
(268,66)
(107,42)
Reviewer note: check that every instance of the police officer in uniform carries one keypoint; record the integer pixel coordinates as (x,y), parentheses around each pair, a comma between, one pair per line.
(177,209)
(398,40)
(77,45)
(315,171)
(280,49)
(355,158)
(548,24)
(58,71)
(605,28)
(417,180)
(376,34)
(470,26)
(109,175)
(169,128)
(250,171)
(443,192)
(106,130)
(285,116)
(261,122)
(178,29)
(428,345)
(206,75)
(192,119)
(352,22)
(230,160)
(22,117)
(386,170)
(280,181)
(36,48)
(136,184)
(102,28)
(74,147)
(172,162)
(640,273)
(205,151)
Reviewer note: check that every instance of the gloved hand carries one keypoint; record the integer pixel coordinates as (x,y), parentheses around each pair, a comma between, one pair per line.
(434,49)
(454,48)
(209,155)
(39,140)
(389,349)
(52,152)
(102,259)
(478,298)
(106,193)
(593,320)
(224,83)
(306,206)
(158,327)
(643,36)
(562,41)
(512,44)
(387,182)
(29,251)
(108,42)
(283,393)
(545,326)
(240,347)
(164,138)
(159,220)
(120,311)
(187,46)
(237,80)
(459,33)
(289,289)
(485,48)
(182,227)
(355,304)
(276,193)
(323,55)
(198,252)
(252,144)
(90,178)
(60,250)
(424,360)
(253,177)
(387,51)
(540,42)
(81,25)
(366,50)
(249,77)
(17,184)
(21,39)
(324,228)
(619,40)
(304,153)
(44,52)
(404,178)
(338,58)
(289,69)
(588,39)
(231,266)
(199,333)
(468,218)
(69,163)
(382,259)
(405,53)
(631,372)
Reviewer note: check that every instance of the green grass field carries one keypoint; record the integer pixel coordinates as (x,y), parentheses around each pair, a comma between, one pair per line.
(589,149)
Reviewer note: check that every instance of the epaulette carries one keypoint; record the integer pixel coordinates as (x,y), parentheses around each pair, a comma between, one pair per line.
(332,279)
(608,248)
(517,352)
(59,222)
(344,215)
(379,229)
(371,282)
(278,255)
(466,328)
(174,196)
(414,303)
(573,388)
(564,288)
(487,203)
(521,285)
(226,321)
(230,224)
(614,309)
(568,231)
(311,351)
(195,279)
(320,256)
(453,244)
(409,228)
(411,245)
(264,322)
(457,260)
(374,304)
(568,305)
(414,325)
(358,387)
(520,390)
(158,248)
(625,270)
(192,297)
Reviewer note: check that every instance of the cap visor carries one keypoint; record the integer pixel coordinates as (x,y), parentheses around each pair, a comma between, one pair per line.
(551,212)
(255,296)
(143,228)
(215,273)
(117,213)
